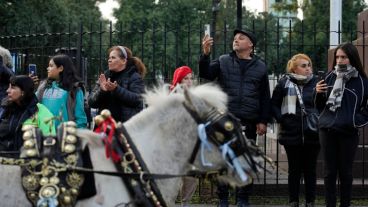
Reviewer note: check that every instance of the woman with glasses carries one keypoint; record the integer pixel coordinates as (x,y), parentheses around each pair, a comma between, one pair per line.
(292,99)
(119,89)
(342,99)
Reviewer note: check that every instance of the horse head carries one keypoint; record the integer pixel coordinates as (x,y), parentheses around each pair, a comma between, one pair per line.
(217,127)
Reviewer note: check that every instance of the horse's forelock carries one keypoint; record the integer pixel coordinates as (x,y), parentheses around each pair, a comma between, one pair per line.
(212,94)
(156,95)
(209,92)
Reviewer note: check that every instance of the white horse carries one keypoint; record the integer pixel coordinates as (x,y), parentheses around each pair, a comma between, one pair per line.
(165,134)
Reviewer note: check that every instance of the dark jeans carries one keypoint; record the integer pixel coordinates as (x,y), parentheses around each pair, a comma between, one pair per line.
(243,192)
(338,150)
(302,159)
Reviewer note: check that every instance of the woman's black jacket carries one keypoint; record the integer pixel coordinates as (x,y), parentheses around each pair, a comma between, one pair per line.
(11,120)
(292,126)
(126,100)
(353,112)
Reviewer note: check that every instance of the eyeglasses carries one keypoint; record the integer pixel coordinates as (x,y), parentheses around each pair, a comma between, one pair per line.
(304,65)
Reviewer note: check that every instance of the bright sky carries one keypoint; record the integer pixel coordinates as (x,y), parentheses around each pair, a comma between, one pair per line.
(107,7)
(253,5)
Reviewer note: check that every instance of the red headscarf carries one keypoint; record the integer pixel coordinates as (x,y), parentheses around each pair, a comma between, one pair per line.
(179,74)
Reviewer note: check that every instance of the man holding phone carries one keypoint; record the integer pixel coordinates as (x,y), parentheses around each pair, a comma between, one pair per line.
(243,76)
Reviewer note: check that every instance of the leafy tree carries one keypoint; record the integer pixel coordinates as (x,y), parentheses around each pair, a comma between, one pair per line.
(311,36)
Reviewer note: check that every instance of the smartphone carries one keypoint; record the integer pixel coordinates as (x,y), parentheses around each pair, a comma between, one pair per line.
(32,69)
(321,74)
(207,30)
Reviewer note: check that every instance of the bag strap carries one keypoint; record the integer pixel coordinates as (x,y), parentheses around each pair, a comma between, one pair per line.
(301,103)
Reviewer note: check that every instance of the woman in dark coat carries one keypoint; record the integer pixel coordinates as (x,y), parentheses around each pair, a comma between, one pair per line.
(21,107)
(119,89)
(300,143)
(342,99)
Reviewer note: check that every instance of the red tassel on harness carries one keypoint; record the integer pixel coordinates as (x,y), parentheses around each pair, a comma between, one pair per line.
(108,127)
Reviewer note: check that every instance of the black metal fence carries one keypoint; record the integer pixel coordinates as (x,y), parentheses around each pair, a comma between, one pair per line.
(162,49)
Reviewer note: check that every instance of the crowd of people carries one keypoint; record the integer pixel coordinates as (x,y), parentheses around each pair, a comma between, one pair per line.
(340,100)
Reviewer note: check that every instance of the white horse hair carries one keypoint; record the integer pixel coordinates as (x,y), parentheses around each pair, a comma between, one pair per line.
(165,135)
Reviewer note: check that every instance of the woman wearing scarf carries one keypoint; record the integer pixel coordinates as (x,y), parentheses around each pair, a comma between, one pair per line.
(301,145)
(342,99)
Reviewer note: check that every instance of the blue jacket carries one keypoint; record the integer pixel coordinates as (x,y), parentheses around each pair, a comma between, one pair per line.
(56,100)
(353,112)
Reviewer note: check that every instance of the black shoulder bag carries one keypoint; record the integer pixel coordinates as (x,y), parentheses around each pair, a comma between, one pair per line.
(311,119)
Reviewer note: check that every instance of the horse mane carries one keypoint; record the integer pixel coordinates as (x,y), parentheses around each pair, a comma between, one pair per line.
(209,92)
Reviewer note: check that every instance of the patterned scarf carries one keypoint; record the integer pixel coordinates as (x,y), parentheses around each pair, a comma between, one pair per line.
(288,105)
(343,75)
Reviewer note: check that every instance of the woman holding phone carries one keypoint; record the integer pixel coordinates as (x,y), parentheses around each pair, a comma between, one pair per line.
(342,100)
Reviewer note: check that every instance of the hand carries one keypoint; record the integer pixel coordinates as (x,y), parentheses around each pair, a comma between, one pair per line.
(111,86)
(207,42)
(102,81)
(35,79)
(261,128)
(321,87)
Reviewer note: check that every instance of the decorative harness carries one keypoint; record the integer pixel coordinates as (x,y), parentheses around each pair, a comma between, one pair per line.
(46,178)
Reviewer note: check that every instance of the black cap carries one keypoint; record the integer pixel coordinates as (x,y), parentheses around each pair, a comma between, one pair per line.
(248,34)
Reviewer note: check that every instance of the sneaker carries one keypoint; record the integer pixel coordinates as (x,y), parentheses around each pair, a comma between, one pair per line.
(223,203)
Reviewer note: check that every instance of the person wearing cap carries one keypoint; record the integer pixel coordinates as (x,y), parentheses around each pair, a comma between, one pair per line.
(243,76)
(119,88)
(183,77)
(21,107)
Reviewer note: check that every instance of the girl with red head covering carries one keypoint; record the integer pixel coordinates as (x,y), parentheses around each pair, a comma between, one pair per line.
(182,75)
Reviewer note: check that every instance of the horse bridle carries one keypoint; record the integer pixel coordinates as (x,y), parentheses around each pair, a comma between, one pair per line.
(221,127)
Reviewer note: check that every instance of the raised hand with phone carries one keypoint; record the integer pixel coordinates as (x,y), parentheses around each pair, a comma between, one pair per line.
(207,40)
(32,73)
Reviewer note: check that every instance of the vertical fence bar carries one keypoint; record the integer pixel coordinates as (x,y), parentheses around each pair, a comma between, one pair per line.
(225,36)
(189,56)
(176,45)
(167,75)
(69,36)
(100,48)
(278,63)
(302,34)
(79,52)
(339,32)
(142,41)
(314,42)
(110,34)
(363,143)
(290,34)
(153,50)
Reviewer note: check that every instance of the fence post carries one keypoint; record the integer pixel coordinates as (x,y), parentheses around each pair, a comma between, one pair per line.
(79,53)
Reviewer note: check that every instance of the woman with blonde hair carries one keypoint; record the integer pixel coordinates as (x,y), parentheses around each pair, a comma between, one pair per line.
(292,100)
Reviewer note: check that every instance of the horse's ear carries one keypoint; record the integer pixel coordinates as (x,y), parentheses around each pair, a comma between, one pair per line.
(195,103)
